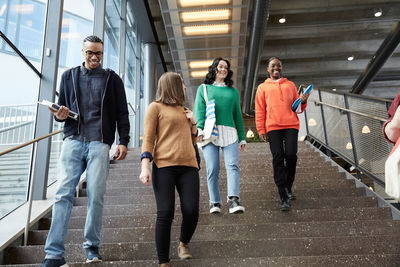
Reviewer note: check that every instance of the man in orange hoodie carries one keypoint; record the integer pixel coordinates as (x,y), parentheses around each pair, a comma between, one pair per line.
(274,116)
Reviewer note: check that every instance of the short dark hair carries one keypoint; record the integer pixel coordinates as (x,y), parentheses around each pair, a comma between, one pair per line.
(212,72)
(92,39)
(272,58)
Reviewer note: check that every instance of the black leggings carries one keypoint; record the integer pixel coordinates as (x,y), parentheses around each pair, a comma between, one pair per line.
(283,145)
(186,181)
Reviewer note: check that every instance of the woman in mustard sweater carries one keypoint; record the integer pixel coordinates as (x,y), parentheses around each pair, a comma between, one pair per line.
(274,116)
(169,132)
(229,123)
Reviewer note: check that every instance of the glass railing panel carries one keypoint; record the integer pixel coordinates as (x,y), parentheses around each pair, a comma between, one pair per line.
(371,147)
(14,177)
(314,118)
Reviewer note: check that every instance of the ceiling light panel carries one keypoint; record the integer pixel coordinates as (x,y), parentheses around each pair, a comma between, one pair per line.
(200,64)
(192,3)
(206,29)
(199,74)
(206,15)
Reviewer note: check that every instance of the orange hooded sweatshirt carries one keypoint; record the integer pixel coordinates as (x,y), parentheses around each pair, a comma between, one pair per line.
(274,101)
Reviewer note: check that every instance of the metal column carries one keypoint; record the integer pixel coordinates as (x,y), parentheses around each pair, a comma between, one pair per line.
(260,19)
(150,73)
(47,90)
(99,18)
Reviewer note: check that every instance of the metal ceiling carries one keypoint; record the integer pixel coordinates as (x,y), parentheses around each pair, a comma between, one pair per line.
(314,43)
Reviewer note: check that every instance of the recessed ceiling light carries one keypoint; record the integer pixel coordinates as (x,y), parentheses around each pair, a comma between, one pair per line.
(350,58)
(207,15)
(190,3)
(199,74)
(200,64)
(378,12)
(206,29)
(282,19)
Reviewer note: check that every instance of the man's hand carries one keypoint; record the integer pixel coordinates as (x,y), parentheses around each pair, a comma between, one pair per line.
(199,138)
(61,113)
(121,152)
(262,137)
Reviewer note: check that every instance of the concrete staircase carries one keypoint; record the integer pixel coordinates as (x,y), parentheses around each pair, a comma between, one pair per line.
(332,223)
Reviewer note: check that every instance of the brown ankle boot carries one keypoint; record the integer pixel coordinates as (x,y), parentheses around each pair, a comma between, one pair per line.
(165,264)
(183,251)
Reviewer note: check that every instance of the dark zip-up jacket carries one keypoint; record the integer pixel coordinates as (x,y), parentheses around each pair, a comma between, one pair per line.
(114,108)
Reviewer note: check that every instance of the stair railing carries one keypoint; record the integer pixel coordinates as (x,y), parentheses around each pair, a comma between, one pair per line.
(350,126)
(31,182)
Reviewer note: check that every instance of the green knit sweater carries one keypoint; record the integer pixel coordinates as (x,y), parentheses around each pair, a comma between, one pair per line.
(227,107)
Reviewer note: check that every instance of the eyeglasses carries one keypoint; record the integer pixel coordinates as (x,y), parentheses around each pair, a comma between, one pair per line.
(90,53)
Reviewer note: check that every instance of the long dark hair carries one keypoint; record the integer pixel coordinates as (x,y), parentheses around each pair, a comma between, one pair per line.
(212,72)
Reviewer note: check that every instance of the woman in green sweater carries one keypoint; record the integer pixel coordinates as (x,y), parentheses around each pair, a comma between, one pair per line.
(229,123)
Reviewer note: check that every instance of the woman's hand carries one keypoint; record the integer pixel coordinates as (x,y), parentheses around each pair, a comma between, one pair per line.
(190,116)
(200,138)
(262,137)
(242,147)
(145,176)
(304,98)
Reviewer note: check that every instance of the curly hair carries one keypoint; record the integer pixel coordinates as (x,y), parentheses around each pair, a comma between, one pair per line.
(212,72)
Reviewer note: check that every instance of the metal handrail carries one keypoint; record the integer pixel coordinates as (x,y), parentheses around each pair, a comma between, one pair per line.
(15,126)
(130,105)
(29,142)
(348,110)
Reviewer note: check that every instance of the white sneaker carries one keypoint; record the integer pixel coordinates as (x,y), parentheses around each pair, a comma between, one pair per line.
(215,208)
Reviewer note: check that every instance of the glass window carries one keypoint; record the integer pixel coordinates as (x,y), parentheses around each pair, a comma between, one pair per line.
(130,76)
(11,18)
(31,29)
(111,37)
(3,12)
(23,23)
(77,23)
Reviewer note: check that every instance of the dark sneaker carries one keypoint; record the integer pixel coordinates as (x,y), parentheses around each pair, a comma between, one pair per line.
(285,205)
(54,263)
(290,194)
(215,208)
(235,206)
(93,254)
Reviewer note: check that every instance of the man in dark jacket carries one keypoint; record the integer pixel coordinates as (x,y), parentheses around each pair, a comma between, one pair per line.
(97,95)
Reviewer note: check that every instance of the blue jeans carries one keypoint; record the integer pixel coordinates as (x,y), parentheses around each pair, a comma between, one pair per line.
(76,156)
(231,157)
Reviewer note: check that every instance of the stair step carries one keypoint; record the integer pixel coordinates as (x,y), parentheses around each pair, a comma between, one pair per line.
(268,194)
(253,217)
(235,231)
(250,205)
(117,181)
(243,187)
(270,247)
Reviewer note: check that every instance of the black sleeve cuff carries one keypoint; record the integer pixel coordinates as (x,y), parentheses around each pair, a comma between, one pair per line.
(146,155)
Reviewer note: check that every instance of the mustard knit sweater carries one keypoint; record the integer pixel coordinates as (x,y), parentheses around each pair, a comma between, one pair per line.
(167,136)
